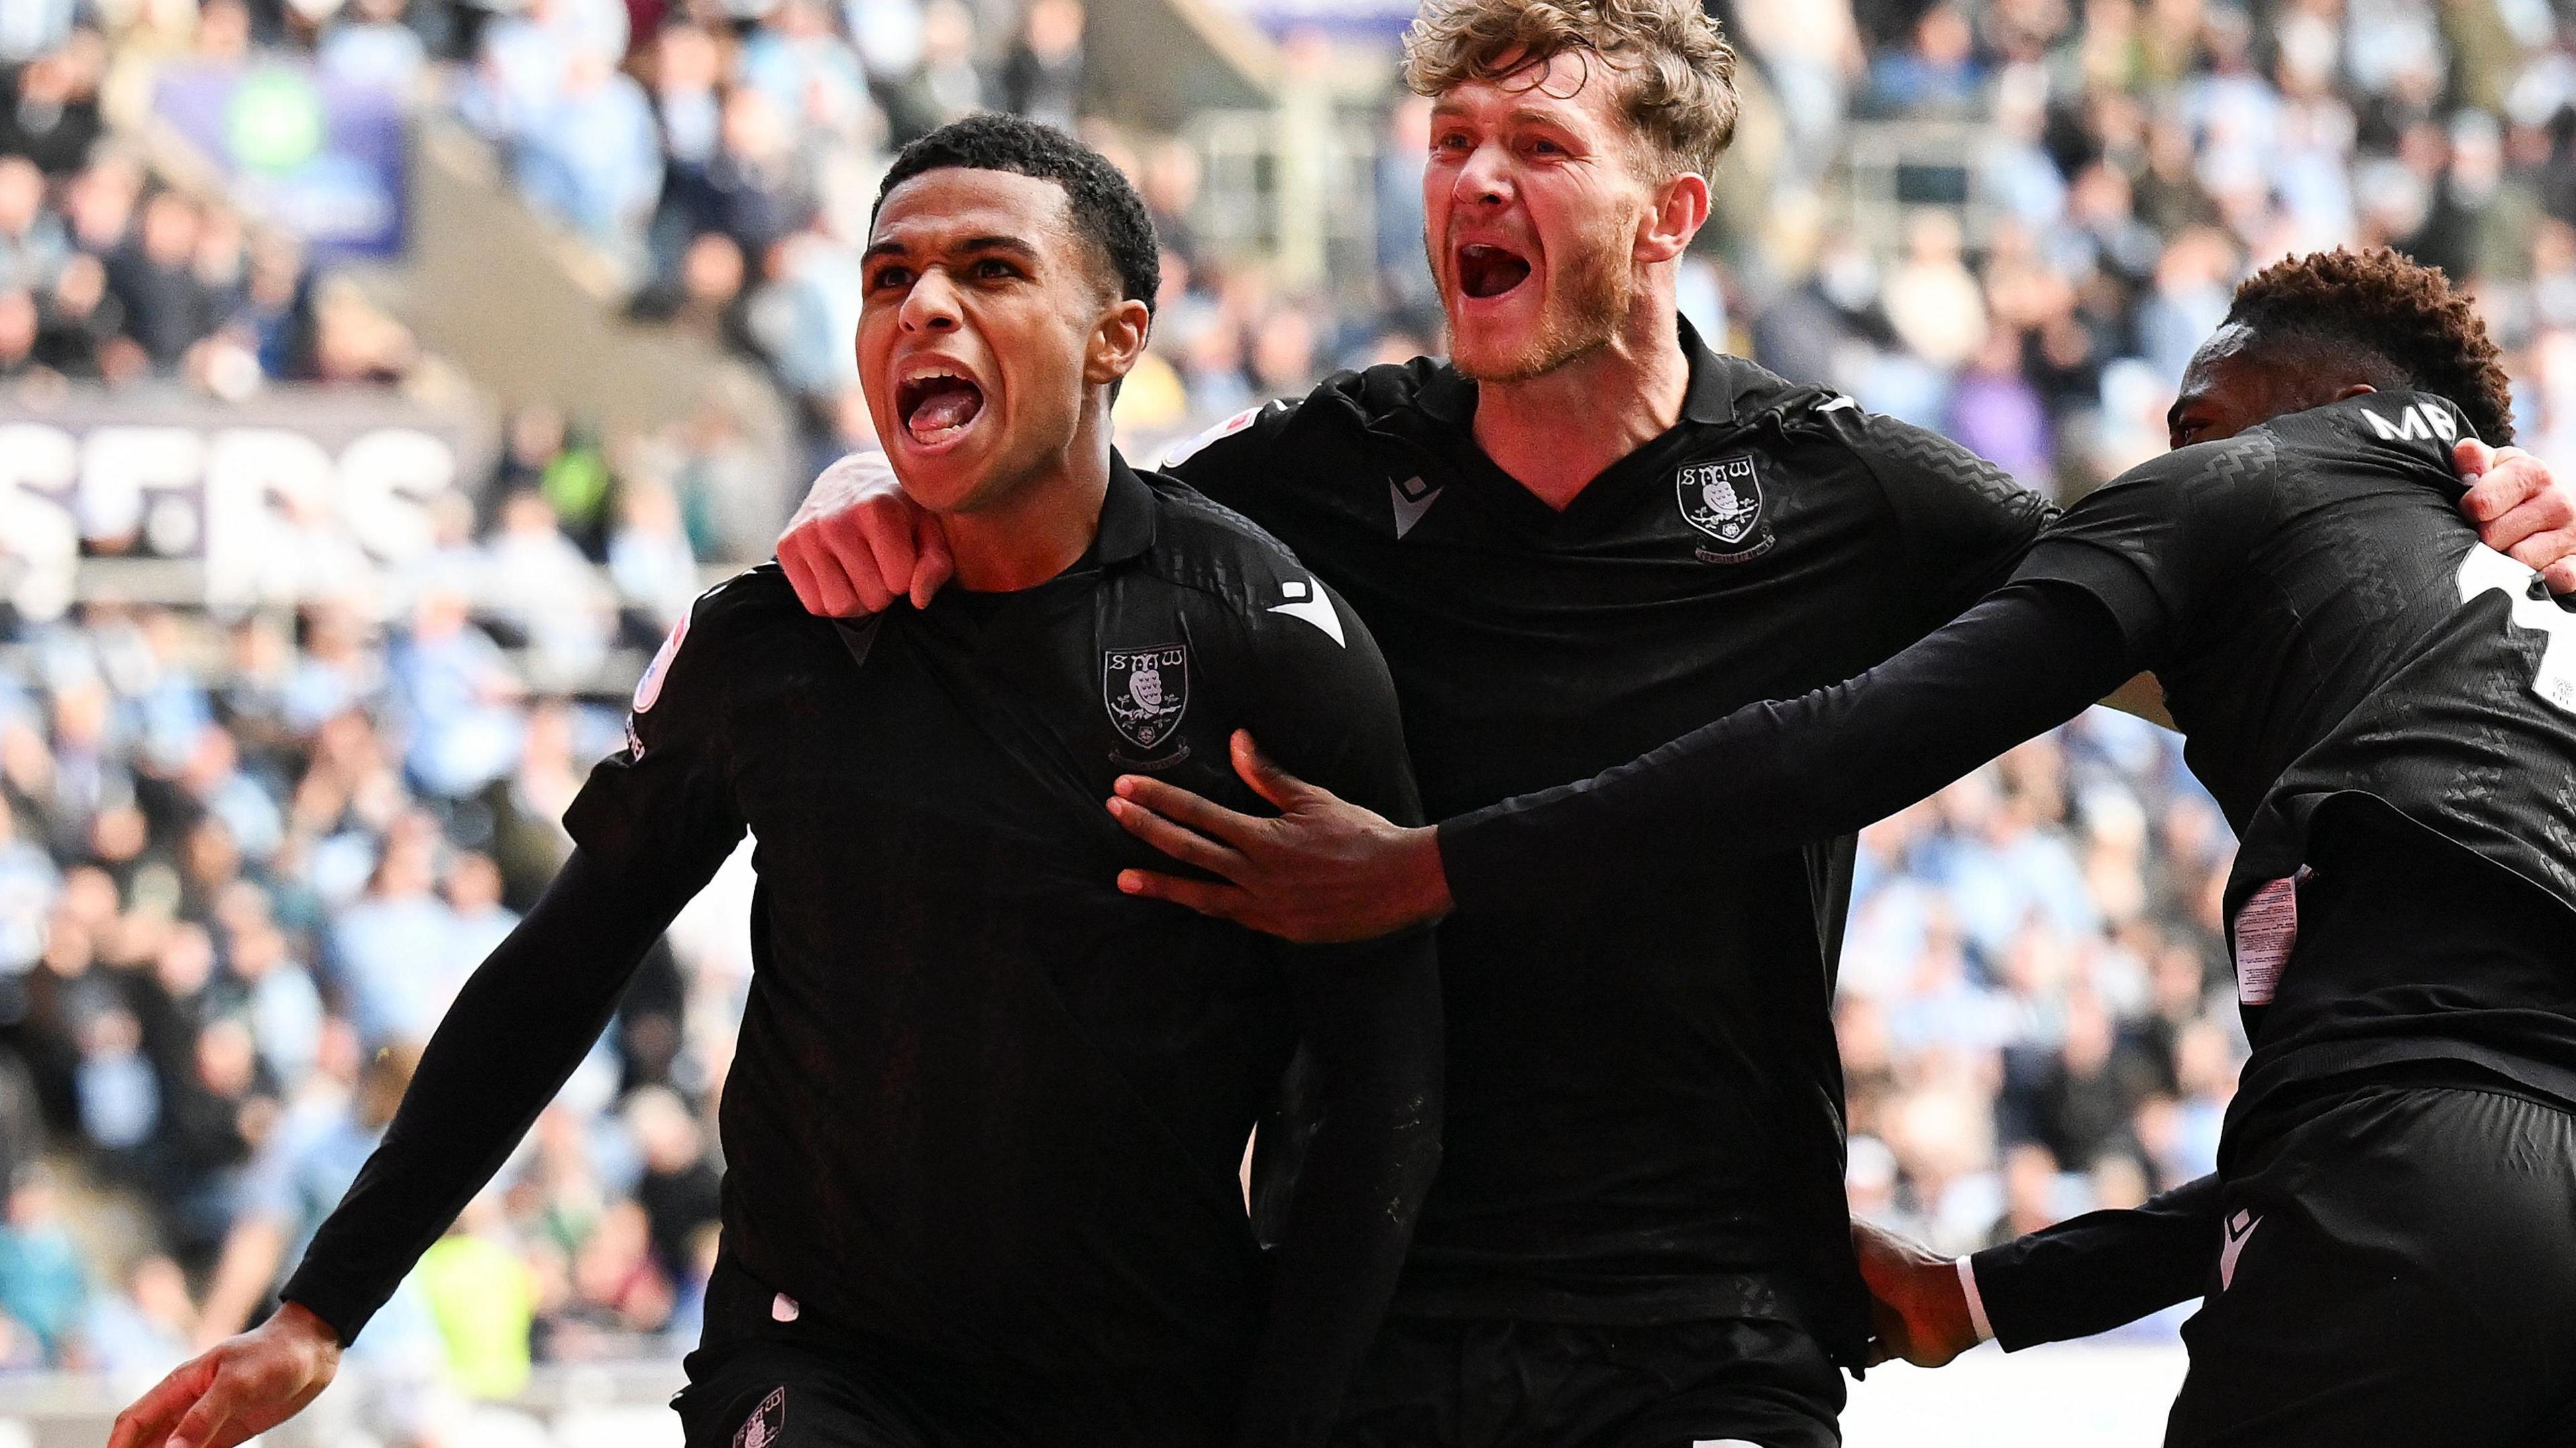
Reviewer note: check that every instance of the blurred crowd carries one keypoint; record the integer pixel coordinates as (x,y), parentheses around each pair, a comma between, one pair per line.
(245,863)
(2119,166)
(2036,1014)
(109,275)
(243,870)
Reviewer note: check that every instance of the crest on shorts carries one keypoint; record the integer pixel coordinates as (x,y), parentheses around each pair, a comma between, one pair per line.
(1147,691)
(765,1423)
(1723,498)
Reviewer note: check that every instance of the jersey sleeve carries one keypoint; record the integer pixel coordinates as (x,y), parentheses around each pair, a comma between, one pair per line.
(667,799)
(522,1022)
(650,827)
(1964,522)
(1364,1119)
(2155,544)
(1235,462)
(2095,1272)
(1773,776)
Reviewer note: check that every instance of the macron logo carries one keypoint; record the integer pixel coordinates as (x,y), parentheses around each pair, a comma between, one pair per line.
(2240,1230)
(2415,423)
(1306,600)
(1412,498)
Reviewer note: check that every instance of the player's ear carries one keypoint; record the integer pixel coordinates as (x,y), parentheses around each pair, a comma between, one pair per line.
(1117,341)
(1680,210)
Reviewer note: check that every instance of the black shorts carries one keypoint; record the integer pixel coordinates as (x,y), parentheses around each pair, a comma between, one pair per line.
(777,1391)
(768,1393)
(1479,1383)
(2400,1267)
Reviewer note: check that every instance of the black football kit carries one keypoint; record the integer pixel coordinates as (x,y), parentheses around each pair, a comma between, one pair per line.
(983,1127)
(2385,709)
(1642,1173)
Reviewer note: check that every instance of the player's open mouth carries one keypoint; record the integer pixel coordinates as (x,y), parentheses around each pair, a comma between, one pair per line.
(1486,271)
(937,405)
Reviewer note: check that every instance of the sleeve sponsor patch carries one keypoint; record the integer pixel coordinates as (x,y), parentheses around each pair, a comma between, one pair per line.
(648,689)
(1182,451)
(2267,930)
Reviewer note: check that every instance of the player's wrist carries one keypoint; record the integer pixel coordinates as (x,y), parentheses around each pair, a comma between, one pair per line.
(1972,1303)
(1426,880)
(297,1323)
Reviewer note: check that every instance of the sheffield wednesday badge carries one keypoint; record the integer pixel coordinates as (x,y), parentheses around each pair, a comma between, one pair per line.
(1147,691)
(766,1422)
(1723,498)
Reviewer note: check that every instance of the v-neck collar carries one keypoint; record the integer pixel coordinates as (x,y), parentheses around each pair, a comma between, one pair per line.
(1448,397)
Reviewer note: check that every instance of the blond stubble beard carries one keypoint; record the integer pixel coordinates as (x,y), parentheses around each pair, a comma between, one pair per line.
(1582,312)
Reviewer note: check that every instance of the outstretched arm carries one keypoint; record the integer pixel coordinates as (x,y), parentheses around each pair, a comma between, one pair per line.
(2095,1272)
(2085,1275)
(1765,778)
(521,1024)
(1776,776)
(519,1027)
(651,826)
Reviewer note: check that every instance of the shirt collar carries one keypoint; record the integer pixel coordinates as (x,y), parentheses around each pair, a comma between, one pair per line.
(1709,399)
(1126,514)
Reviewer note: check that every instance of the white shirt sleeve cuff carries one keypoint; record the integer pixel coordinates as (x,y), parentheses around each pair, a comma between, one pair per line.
(1976,1304)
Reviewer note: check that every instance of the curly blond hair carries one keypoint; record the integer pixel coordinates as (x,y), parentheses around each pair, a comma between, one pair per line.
(1677,70)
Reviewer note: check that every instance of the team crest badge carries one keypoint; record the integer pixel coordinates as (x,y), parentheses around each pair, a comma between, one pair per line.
(1723,499)
(766,1422)
(1147,691)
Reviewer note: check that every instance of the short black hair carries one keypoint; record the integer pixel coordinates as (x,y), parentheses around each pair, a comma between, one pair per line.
(1106,210)
(2401,312)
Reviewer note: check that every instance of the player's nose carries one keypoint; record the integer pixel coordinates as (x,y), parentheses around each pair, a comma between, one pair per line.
(1485,179)
(931,304)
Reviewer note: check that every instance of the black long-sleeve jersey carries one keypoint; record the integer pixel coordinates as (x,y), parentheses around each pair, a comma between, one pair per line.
(2379,703)
(985,1118)
(1645,1119)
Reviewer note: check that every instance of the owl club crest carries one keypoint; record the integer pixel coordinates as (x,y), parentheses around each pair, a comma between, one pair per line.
(1723,498)
(766,1422)
(1147,691)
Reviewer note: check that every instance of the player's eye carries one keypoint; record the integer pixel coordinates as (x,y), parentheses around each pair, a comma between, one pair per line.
(1451,141)
(994,269)
(889,276)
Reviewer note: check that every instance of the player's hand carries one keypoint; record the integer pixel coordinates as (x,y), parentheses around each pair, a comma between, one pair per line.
(237,1389)
(2520,508)
(1324,870)
(1917,1310)
(857,543)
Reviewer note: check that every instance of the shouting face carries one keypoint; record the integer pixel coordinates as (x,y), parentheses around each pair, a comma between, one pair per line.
(987,320)
(1534,198)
